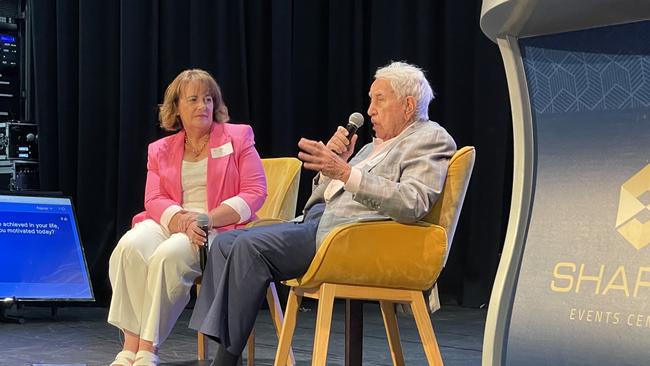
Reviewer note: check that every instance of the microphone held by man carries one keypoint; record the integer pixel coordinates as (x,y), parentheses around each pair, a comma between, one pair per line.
(355,121)
(345,138)
(331,159)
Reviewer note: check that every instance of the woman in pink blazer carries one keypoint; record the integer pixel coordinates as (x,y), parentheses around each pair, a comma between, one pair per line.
(209,166)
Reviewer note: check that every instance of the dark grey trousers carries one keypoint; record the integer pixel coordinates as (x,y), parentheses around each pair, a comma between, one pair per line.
(241,264)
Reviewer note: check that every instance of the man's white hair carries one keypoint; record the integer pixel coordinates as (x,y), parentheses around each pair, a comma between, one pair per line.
(409,80)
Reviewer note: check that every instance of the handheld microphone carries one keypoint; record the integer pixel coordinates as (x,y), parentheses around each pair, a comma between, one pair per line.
(355,121)
(203,221)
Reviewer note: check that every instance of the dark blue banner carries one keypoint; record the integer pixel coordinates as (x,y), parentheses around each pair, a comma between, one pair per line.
(583,291)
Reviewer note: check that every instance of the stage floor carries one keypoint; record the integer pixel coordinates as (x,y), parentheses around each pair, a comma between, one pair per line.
(80,335)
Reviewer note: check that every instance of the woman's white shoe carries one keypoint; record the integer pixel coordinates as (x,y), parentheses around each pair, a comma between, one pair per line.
(124,358)
(146,358)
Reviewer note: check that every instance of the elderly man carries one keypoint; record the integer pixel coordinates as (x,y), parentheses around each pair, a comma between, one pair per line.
(398,176)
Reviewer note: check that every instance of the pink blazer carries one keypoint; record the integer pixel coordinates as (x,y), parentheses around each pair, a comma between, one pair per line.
(238,173)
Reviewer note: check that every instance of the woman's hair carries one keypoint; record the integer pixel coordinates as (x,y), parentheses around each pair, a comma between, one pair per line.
(168,110)
(409,80)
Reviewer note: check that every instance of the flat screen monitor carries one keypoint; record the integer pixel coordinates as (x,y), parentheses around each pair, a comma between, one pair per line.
(41,256)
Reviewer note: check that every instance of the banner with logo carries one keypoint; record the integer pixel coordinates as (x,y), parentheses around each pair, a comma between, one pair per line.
(583,291)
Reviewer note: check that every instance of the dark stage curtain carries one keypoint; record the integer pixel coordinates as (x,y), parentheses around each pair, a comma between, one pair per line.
(289,68)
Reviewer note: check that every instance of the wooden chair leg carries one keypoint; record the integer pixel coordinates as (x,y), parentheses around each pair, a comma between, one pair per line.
(250,349)
(275,307)
(288,327)
(425,329)
(323,324)
(201,339)
(202,346)
(392,332)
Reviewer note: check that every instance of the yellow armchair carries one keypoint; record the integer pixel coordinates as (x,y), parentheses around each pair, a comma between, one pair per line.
(383,261)
(282,180)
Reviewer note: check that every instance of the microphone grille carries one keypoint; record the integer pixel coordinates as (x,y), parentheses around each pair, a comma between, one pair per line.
(356,119)
(202,220)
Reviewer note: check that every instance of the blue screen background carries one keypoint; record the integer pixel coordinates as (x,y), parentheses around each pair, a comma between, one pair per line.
(42,257)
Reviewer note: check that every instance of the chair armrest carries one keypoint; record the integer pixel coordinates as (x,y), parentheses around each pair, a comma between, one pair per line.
(385,253)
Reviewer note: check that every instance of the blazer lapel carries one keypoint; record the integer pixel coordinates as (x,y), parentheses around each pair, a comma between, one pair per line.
(175,165)
(379,158)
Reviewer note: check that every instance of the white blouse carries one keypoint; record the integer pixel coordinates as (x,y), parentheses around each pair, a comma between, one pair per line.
(194,177)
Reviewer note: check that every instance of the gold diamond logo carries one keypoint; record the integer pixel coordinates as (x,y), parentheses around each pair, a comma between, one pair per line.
(628,225)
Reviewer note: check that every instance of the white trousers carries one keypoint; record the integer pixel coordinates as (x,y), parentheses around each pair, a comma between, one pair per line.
(151,273)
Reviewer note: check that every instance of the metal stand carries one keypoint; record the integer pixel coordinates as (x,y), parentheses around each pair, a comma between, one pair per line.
(5,304)
(353,332)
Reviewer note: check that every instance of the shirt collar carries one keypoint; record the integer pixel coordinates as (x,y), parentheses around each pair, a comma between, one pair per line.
(380,144)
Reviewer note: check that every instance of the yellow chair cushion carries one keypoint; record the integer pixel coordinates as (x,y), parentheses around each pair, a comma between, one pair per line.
(378,254)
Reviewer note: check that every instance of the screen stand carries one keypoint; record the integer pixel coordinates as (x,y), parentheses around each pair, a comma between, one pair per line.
(9,318)
(5,304)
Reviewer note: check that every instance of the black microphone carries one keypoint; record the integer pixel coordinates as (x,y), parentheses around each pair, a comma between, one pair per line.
(203,221)
(355,121)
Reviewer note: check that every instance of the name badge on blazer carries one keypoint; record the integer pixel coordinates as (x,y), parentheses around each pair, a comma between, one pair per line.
(223,150)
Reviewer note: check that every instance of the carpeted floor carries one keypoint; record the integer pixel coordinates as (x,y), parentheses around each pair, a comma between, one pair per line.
(80,335)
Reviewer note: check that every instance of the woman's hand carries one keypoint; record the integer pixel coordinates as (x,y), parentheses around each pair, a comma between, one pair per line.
(181,221)
(196,234)
(223,215)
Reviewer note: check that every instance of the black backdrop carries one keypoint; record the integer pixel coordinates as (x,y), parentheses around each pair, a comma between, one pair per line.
(289,68)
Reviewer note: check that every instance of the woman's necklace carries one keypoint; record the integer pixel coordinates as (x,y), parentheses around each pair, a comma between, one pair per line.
(197,151)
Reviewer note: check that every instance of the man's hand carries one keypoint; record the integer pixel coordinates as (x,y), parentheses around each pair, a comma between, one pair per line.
(319,157)
(339,143)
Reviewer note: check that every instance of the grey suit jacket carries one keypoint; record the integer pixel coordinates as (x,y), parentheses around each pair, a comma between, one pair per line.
(401,183)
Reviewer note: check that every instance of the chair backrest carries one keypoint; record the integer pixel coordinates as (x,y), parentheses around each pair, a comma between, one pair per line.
(282,181)
(446,211)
